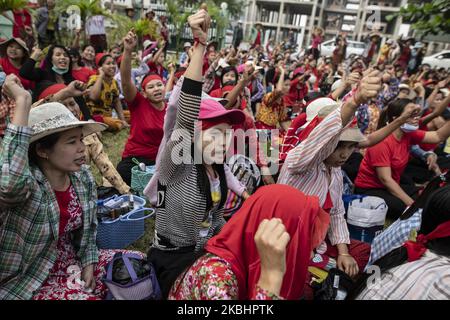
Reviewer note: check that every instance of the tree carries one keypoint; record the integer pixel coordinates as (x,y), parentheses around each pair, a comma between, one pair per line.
(179,17)
(88,8)
(234,6)
(7,5)
(426,17)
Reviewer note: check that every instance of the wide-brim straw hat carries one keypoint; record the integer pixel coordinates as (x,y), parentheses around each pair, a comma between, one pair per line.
(50,118)
(319,107)
(20,42)
(349,134)
(352,134)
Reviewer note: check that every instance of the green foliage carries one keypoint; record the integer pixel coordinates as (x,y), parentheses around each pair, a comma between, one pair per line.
(88,8)
(215,13)
(6,5)
(177,17)
(235,7)
(426,17)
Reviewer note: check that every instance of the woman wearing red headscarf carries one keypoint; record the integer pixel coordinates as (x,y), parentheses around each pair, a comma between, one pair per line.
(147,110)
(263,252)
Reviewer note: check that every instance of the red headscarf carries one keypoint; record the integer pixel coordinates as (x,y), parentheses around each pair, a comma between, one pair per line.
(304,220)
(55,88)
(417,249)
(149,78)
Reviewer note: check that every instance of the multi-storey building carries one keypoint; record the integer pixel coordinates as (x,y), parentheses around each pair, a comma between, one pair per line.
(355,17)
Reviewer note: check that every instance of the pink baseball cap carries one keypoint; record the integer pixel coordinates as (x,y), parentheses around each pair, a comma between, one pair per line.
(211,110)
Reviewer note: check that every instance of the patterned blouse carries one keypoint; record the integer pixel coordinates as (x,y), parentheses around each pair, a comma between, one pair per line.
(211,278)
(272,110)
(105,104)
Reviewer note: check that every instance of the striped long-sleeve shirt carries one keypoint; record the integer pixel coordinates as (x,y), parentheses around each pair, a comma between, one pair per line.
(304,169)
(425,279)
(181,205)
(169,123)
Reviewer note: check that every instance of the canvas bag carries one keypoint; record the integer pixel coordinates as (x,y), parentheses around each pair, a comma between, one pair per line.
(367,212)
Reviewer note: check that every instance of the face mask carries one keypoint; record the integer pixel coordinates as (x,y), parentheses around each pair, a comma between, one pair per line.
(229,83)
(408,127)
(60,71)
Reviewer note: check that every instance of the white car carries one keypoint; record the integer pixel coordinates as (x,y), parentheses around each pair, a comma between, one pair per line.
(353,47)
(438,60)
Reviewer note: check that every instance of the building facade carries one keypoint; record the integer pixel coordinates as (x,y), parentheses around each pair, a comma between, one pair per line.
(357,18)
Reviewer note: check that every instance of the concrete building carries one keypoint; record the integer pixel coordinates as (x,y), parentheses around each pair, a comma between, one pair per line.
(355,17)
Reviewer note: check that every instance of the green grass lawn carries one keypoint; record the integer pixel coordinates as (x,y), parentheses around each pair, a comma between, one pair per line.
(113,145)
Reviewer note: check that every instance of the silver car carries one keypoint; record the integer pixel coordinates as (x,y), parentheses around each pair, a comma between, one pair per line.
(353,47)
(438,60)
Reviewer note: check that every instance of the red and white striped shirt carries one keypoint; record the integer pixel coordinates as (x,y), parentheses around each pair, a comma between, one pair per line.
(304,169)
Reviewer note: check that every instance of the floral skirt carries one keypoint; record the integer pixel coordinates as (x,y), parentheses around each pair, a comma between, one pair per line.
(62,285)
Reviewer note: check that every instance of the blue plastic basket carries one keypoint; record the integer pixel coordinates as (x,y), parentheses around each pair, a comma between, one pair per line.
(120,233)
(126,229)
(364,234)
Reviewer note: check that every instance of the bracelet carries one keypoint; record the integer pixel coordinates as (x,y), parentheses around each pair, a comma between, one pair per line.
(197,41)
(344,254)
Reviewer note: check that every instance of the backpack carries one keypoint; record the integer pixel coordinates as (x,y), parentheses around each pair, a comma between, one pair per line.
(248,173)
(131,277)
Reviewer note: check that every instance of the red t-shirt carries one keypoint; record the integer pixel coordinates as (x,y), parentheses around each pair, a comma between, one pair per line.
(8,68)
(388,153)
(295,95)
(217,93)
(146,133)
(83,74)
(216,84)
(258,39)
(22,18)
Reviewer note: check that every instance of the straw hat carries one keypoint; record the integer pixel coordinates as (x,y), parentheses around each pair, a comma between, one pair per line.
(319,107)
(54,117)
(349,134)
(352,134)
(4,45)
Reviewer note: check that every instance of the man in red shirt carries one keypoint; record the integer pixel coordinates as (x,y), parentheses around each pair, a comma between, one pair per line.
(257,36)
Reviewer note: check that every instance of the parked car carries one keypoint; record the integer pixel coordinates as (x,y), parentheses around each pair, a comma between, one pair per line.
(353,47)
(438,60)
